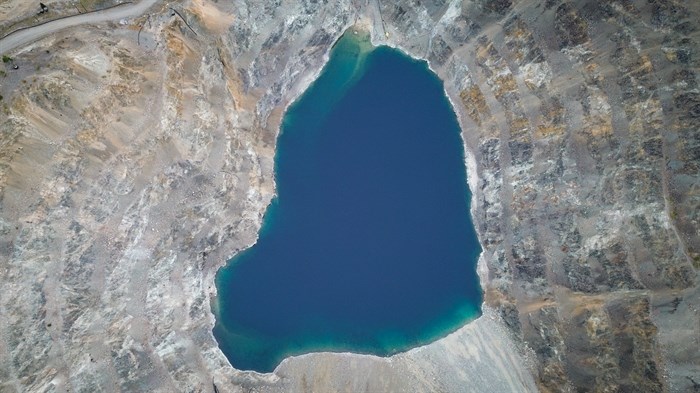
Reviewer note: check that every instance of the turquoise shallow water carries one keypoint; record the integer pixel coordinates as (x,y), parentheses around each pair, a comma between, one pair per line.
(369,246)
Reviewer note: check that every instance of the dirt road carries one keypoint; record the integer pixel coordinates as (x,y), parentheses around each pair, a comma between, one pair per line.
(27,35)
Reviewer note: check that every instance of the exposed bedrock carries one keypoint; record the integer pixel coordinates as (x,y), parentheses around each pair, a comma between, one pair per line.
(136,158)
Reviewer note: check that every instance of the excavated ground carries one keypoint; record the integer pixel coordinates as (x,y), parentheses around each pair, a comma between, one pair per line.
(136,157)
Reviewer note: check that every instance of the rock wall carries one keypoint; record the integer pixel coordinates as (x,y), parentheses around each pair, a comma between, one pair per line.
(136,158)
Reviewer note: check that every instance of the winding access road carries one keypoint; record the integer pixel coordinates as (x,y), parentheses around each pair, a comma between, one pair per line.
(25,36)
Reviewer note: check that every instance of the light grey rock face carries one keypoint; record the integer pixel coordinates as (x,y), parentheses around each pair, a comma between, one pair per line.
(134,162)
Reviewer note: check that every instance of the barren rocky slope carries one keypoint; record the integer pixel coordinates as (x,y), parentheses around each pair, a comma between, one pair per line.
(136,158)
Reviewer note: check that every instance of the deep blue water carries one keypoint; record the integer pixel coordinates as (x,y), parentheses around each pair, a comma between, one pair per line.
(369,246)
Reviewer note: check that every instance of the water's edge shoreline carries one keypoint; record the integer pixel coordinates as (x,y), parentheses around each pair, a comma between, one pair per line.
(485,312)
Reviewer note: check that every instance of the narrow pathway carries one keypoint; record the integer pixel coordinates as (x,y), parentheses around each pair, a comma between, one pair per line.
(26,35)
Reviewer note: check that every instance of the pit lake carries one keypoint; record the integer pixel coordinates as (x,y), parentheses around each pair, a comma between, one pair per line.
(368,246)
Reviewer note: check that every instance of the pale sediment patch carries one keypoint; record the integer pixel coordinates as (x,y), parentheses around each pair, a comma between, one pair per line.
(211,16)
(481,354)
